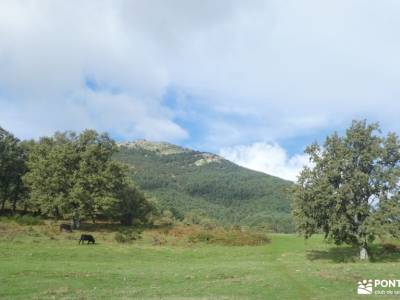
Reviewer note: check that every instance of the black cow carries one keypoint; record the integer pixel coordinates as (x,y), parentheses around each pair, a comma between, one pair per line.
(86,237)
(65,227)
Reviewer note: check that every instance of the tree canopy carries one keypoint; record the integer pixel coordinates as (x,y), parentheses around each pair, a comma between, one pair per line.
(351,192)
(12,167)
(74,176)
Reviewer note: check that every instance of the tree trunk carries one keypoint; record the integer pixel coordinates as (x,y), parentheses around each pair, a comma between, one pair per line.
(127,220)
(56,212)
(364,252)
(76,221)
(3,204)
(14,205)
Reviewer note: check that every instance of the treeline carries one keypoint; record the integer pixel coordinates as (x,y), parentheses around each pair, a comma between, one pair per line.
(88,177)
(69,176)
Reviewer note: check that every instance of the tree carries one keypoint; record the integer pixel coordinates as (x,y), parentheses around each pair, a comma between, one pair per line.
(12,168)
(132,205)
(97,178)
(74,176)
(52,165)
(351,192)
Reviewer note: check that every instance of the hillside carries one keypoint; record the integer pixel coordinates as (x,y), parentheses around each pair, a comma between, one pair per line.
(186,181)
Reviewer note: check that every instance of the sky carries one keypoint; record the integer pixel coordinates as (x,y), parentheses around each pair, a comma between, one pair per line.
(254,81)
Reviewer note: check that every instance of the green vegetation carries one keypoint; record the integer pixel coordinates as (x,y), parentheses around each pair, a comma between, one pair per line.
(37,262)
(200,186)
(69,176)
(227,237)
(352,192)
(128,235)
(199,229)
(25,219)
(12,167)
(73,176)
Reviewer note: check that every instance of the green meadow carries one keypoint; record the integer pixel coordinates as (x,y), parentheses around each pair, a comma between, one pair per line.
(37,262)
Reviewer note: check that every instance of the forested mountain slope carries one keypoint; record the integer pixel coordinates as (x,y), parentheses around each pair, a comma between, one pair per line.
(186,181)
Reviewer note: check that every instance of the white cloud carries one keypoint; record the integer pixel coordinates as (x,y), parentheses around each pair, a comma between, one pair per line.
(120,114)
(260,69)
(269,158)
(49,49)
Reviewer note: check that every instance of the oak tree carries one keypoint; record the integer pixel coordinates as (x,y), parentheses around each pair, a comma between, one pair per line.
(351,191)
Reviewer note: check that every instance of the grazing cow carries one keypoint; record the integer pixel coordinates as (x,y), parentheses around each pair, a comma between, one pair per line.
(65,227)
(86,237)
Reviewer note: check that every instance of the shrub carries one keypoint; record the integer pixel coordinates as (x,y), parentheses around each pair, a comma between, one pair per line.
(128,235)
(390,248)
(28,220)
(23,219)
(159,240)
(243,238)
(202,236)
(166,219)
(229,237)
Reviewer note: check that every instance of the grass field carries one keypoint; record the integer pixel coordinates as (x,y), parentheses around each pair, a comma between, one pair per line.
(36,262)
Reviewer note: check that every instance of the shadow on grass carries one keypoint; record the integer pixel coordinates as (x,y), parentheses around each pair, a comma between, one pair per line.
(346,254)
(335,254)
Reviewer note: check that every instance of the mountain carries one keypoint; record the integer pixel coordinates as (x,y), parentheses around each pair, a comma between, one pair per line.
(187,181)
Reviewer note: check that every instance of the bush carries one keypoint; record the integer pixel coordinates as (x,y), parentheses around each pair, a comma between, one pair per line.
(159,240)
(202,236)
(229,237)
(128,235)
(243,238)
(391,248)
(23,219)
(28,220)
(166,219)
